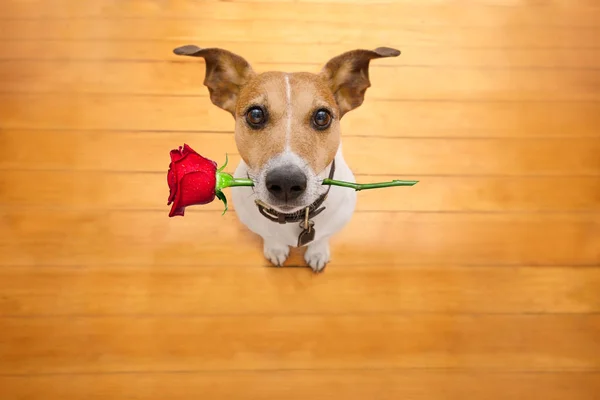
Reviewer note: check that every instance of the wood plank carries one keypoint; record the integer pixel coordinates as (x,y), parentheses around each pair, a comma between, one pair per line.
(423,13)
(311,56)
(366,155)
(410,118)
(62,237)
(405,83)
(561,3)
(295,32)
(170,290)
(149,344)
(140,191)
(297,385)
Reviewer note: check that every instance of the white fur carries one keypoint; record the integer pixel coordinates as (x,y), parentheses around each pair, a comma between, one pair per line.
(288,109)
(278,238)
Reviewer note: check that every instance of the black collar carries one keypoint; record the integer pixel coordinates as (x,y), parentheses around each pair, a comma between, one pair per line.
(313,209)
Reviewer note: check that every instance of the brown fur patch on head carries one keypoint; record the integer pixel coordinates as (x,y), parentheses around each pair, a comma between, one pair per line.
(311,93)
(257,146)
(290,101)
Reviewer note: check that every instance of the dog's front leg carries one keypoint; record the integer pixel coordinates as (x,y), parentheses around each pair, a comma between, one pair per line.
(317,254)
(275,251)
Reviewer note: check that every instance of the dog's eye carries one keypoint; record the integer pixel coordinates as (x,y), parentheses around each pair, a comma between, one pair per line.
(256,117)
(322,119)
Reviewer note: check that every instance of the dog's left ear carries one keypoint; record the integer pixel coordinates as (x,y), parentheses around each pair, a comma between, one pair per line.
(226,73)
(348,75)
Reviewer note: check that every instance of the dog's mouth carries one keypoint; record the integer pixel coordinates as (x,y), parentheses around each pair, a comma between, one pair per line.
(286,208)
(290,209)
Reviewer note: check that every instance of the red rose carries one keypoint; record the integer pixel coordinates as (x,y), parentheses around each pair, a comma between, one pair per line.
(192,180)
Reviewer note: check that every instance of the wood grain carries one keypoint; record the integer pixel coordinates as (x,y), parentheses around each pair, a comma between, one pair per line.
(379,13)
(294,32)
(311,56)
(292,385)
(300,342)
(132,290)
(33,237)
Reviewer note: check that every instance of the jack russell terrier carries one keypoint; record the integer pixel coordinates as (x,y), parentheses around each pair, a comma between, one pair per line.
(287,131)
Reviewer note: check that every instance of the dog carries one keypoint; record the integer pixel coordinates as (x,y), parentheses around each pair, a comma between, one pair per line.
(287,131)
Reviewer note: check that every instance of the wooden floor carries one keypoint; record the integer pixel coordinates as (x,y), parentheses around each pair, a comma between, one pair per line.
(482,282)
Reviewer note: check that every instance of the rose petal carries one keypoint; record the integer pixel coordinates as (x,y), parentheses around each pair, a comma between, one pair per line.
(172,194)
(188,150)
(172,182)
(196,188)
(176,154)
(177,208)
(177,211)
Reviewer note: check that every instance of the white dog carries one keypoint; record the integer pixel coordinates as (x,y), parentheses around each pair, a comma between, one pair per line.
(287,130)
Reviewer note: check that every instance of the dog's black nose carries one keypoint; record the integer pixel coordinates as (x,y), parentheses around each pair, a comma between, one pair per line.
(286,183)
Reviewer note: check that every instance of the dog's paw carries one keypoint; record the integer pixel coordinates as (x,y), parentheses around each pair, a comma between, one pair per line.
(317,255)
(275,252)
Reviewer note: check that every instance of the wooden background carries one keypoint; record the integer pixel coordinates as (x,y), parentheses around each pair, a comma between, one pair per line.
(481,282)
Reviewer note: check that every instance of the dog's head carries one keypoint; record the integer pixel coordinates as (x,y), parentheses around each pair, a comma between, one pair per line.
(287,125)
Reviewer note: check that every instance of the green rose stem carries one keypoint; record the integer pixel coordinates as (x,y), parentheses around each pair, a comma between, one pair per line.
(365,186)
(225,180)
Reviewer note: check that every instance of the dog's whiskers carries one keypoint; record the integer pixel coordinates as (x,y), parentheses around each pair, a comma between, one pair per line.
(253,178)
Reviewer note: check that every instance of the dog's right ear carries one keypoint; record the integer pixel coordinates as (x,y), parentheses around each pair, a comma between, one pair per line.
(226,73)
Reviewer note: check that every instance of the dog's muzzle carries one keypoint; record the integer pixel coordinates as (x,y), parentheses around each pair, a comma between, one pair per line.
(313,210)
